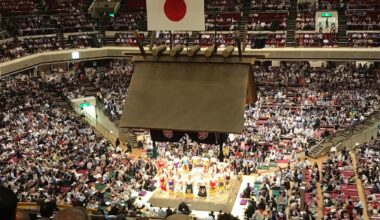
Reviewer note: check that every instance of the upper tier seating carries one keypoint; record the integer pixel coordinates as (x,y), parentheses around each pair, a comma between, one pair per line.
(224,5)
(63,6)
(223,22)
(127,39)
(305,20)
(263,21)
(17,7)
(222,40)
(129,22)
(272,40)
(269,5)
(328,4)
(366,39)
(363,4)
(316,40)
(363,20)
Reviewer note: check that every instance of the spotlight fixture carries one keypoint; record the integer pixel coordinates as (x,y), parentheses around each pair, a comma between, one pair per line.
(176,50)
(210,51)
(158,50)
(228,51)
(192,51)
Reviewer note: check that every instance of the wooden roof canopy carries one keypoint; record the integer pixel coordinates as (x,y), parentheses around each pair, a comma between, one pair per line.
(189,94)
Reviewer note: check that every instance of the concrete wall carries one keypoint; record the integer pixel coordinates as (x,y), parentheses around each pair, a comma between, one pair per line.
(277,54)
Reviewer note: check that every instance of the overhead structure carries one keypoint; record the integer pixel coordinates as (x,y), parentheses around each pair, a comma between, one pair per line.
(158,50)
(192,51)
(176,50)
(194,94)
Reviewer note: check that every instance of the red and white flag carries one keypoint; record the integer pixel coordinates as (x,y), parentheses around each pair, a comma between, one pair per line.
(175,15)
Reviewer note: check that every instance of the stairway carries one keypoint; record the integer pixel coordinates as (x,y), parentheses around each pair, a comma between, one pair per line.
(56,97)
(128,136)
(339,137)
(90,89)
(246,9)
(342,28)
(291,24)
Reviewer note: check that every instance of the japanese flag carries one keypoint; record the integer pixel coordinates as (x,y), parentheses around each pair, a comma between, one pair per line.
(175,15)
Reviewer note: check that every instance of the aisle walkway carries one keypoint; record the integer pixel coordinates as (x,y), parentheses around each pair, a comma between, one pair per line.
(238,210)
(360,187)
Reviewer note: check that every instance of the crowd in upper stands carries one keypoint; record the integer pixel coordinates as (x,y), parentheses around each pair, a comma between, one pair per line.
(40,44)
(129,22)
(49,17)
(316,40)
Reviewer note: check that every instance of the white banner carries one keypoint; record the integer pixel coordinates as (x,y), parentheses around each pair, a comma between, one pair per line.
(175,15)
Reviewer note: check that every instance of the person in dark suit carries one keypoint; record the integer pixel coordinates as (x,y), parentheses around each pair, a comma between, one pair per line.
(8,204)
(169,212)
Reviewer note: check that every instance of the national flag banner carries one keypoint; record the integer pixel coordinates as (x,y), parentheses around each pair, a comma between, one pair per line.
(175,15)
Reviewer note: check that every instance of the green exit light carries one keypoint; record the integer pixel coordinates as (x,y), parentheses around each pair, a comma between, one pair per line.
(86,104)
(326,14)
(111,14)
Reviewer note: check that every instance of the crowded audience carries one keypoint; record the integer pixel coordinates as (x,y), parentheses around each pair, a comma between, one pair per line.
(11,50)
(31,25)
(74,22)
(316,40)
(17,7)
(363,20)
(271,40)
(172,38)
(267,21)
(365,39)
(129,22)
(305,21)
(41,44)
(222,40)
(127,39)
(222,22)
(328,4)
(270,5)
(225,5)
(112,83)
(65,161)
(368,171)
(340,194)
(364,4)
(85,40)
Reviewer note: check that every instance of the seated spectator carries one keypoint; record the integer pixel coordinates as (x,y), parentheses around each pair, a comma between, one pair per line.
(263,21)
(129,22)
(365,39)
(128,39)
(177,38)
(316,40)
(11,50)
(305,20)
(84,40)
(41,44)
(222,22)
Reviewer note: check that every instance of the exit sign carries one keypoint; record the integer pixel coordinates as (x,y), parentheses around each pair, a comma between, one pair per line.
(111,14)
(86,104)
(326,14)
